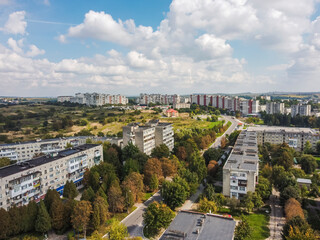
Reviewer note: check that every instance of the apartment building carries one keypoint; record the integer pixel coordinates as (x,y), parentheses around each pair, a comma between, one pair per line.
(294,137)
(181,105)
(149,136)
(240,172)
(94,99)
(30,180)
(145,99)
(274,107)
(23,151)
(301,109)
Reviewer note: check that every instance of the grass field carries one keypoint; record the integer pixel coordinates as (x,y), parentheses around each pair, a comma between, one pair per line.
(187,123)
(259,224)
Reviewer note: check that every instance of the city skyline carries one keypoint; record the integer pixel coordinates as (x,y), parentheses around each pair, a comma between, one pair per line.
(52,48)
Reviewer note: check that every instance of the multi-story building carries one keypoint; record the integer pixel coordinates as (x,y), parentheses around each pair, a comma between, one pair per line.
(181,105)
(294,137)
(64,98)
(240,172)
(26,150)
(145,99)
(30,180)
(301,109)
(149,136)
(274,108)
(94,99)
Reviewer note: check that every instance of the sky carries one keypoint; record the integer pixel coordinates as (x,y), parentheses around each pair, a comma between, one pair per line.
(50,48)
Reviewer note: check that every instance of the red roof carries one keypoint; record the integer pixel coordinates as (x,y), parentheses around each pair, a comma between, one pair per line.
(171,111)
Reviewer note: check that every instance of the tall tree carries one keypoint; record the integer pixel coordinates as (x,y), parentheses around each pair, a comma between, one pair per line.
(308,163)
(243,230)
(160,151)
(134,182)
(102,204)
(118,231)
(51,196)
(57,215)
(96,216)
(115,198)
(81,216)
(4,224)
(43,221)
(174,194)
(70,191)
(152,167)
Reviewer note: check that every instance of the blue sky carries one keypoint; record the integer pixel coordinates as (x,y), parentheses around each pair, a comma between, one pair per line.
(55,47)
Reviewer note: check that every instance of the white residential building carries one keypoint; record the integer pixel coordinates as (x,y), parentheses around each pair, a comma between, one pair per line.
(274,107)
(301,109)
(23,151)
(240,172)
(94,99)
(30,180)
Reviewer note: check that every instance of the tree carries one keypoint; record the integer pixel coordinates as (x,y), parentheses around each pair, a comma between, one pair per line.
(161,151)
(174,194)
(134,182)
(4,224)
(307,148)
(318,147)
(264,188)
(95,217)
(292,209)
(207,206)
(152,167)
(209,192)
(115,198)
(296,234)
(102,205)
(81,216)
(289,192)
(233,203)
(198,165)
(169,168)
(308,163)
(32,213)
(70,191)
(128,198)
(4,161)
(43,221)
(243,229)
(131,165)
(51,196)
(88,195)
(181,153)
(157,216)
(94,180)
(118,231)
(154,183)
(212,168)
(212,154)
(295,222)
(248,201)
(57,215)
(129,151)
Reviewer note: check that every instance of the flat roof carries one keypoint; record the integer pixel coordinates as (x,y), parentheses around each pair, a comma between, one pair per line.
(16,168)
(193,225)
(244,155)
(42,141)
(303,180)
(281,129)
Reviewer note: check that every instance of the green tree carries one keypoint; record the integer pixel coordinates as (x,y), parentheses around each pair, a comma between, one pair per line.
(209,192)
(94,180)
(207,206)
(289,192)
(264,188)
(174,194)
(295,222)
(81,216)
(308,163)
(32,213)
(115,198)
(43,221)
(307,148)
(95,217)
(70,191)
(102,204)
(57,215)
(129,151)
(154,183)
(318,147)
(88,195)
(51,196)
(198,165)
(118,231)
(248,201)
(4,161)
(128,198)
(4,224)
(212,154)
(243,230)
(160,151)
(157,216)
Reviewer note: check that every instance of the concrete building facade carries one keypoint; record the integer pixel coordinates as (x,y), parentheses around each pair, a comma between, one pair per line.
(30,180)
(26,150)
(94,99)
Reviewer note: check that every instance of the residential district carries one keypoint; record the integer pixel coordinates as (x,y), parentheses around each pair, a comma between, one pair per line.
(235,180)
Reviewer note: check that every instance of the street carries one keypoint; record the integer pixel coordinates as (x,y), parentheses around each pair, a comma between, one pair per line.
(277,219)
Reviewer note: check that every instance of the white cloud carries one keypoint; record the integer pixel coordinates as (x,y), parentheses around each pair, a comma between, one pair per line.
(35,51)
(15,45)
(16,23)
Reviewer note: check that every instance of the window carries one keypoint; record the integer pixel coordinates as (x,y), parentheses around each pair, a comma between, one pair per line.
(234,194)
(242,188)
(234,187)
(51,169)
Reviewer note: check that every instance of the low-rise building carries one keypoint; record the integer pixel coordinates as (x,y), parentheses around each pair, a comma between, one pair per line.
(23,151)
(189,225)
(30,180)
(240,172)
(171,113)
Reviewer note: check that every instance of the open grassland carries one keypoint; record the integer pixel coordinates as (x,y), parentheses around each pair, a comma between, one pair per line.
(46,121)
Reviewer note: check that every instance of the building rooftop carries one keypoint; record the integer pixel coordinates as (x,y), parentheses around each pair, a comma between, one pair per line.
(282,129)
(19,167)
(244,155)
(193,225)
(304,180)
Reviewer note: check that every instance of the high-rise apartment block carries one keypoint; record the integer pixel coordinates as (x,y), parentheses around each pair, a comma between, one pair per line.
(22,182)
(275,107)
(301,109)
(94,99)
(149,136)
(240,172)
(145,99)
(26,150)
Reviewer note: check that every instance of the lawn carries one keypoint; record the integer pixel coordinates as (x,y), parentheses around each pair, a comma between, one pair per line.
(259,224)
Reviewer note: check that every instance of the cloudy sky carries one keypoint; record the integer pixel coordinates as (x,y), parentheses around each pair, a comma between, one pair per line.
(58,47)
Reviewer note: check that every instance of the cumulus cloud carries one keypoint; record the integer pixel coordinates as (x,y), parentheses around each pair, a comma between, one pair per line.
(16,23)
(35,51)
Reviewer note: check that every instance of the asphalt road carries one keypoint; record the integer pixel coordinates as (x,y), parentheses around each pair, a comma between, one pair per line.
(277,219)
(134,221)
